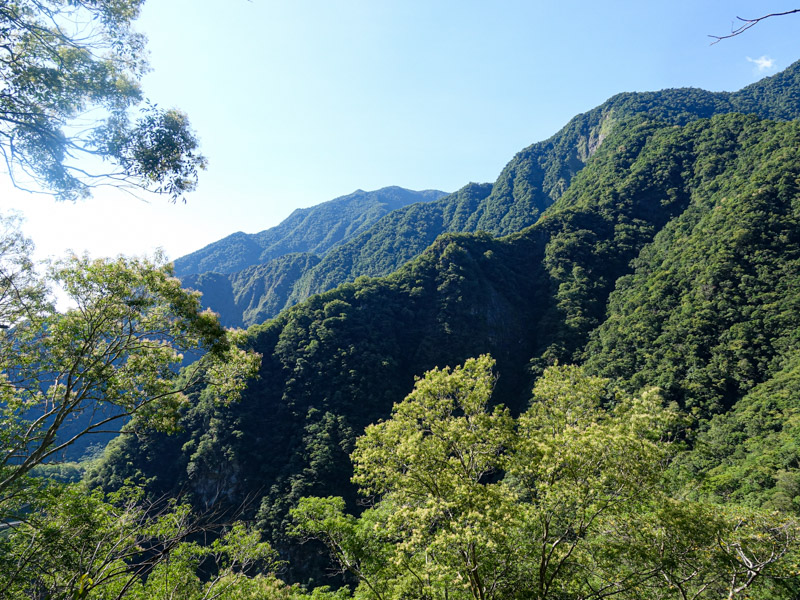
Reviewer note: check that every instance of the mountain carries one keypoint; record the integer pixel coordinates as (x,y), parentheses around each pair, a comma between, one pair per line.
(670,259)
(254,294)
(534,179)
(312,230)
(619,270)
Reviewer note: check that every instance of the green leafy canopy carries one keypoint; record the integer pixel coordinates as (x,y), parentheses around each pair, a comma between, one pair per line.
(114,353)
(70,71)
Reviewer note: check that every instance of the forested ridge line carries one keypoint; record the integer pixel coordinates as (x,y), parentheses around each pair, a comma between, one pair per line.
(534,178)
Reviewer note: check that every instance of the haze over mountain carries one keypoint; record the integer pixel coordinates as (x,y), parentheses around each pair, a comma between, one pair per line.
(655,240)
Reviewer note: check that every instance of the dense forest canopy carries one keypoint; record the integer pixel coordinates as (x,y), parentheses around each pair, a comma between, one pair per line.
(579,382)
(704,213)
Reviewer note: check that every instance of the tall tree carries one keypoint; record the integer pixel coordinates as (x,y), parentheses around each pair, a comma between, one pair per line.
(568,502)
(78,545)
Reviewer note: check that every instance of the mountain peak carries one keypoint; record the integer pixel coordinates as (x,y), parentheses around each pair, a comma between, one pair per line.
(315,230)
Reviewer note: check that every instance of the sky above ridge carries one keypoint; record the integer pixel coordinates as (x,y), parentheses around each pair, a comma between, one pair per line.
(298,102)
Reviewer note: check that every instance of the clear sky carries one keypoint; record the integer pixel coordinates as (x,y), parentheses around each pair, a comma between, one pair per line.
(297,101)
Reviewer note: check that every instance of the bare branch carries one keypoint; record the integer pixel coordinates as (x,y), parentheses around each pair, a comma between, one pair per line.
(748,23)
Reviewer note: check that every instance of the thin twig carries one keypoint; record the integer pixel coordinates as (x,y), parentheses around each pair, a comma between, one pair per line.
(748,23)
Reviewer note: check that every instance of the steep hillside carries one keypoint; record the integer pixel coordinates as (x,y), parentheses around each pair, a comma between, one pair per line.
(712,308)
(539,175)
(695,225)
(310,230)
(254,294)
(531,182)
(751,454)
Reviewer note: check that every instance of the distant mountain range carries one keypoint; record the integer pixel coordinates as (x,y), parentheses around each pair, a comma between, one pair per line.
(374,233)
(248,278)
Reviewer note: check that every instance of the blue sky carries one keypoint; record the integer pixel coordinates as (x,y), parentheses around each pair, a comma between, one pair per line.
(297,102)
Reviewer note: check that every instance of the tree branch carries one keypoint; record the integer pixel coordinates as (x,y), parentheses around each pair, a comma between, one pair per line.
(748,23)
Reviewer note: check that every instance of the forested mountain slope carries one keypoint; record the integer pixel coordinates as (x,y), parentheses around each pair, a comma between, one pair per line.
(527,186)
(713,305)
(313,230)
(537,176)
(751,454)
(696,227)
(254,294)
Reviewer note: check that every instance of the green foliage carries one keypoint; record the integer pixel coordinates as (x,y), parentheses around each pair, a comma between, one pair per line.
(75,544)
(711,308)
(338,362)
(704,550)
(61,472)
(751,455)
(431,463)
(576,468)
(115,353)
(568,502)
(63,63)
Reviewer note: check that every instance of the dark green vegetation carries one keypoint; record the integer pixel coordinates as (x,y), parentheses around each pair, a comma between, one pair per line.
(669,260)
(528,185)
(636,279)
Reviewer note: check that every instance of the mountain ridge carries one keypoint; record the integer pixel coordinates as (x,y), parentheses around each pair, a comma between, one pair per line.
(312,230)
(533,179)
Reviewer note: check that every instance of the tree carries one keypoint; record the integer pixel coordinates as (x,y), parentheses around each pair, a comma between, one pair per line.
(447,522)
(433,463)
(78,544)
(116,353)
(585,457)
(69,79)
(569,501)
(440,525)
